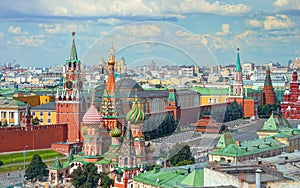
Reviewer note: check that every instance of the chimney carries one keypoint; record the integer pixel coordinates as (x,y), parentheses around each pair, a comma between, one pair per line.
(258,178)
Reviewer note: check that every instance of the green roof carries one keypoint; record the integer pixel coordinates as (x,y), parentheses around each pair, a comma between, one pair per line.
(238,67)
(225,140)
(161,178)
(57,165)
(210,91)
(249,147)
(73,54)
(194,179)
(103,161)
(275,123)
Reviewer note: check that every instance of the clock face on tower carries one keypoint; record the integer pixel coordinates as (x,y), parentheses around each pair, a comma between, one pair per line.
(69,84)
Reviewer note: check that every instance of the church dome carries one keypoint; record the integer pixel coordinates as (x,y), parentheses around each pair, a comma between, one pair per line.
(92,116)
(135,115)
(115,132)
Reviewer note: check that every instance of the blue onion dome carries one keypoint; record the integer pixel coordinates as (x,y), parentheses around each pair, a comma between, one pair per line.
(135,115)
(115,132)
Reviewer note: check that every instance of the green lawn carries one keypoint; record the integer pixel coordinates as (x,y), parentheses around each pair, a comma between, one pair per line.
(17,167)
(19,157)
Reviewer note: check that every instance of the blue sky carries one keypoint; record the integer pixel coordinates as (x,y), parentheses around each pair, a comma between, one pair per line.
(200,32)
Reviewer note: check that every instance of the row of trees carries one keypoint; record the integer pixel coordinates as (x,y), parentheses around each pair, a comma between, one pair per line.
(224,114)
(86,177)
(159,125)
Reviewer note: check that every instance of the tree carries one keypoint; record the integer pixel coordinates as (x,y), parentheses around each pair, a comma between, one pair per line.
(265,110)
(233,111)
(86,177)
(35,121)
(106,181)
(183,157)
(37,169)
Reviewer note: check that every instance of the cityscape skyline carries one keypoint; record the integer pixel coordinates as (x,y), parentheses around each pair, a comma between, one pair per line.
(182,32)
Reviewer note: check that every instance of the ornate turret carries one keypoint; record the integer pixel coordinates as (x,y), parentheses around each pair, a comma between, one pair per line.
(27,117)
(173,104)
(115,132)
(268,90)
(238,77)
(91,133)
(135,115)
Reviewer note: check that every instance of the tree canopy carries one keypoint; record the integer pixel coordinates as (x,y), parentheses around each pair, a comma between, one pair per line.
(183,157)
(233,111)
(36,170)
(88,177)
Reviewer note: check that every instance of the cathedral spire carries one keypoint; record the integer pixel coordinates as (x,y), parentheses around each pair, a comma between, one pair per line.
(73,54)
(238,67)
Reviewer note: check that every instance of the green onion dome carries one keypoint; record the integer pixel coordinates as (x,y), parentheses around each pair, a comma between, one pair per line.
(115,132)
(135,115)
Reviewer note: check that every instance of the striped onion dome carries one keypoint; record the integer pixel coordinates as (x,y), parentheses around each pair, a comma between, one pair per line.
(115,132)
(135,115)
(92,116)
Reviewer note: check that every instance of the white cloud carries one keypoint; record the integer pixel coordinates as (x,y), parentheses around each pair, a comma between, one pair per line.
(59,28)
(254,23)
(31,41)
(103,8)
(279,3)
(225,30)
(141,31)
(287,4)
(16,30)
(189,6)
(278,21)
(110,21)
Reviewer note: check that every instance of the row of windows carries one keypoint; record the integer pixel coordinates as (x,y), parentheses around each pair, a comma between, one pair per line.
(210,100)
(41,113)
(42,120)
(10,114)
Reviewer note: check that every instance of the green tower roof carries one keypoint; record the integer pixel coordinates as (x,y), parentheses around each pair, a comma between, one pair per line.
(225,140)
(238,67)
(194,179)
(73,55)
(57,165)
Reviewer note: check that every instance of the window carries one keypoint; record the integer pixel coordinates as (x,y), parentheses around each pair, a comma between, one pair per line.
(49,120)
(33,113)
(49,113)
(41,113)
(42,120)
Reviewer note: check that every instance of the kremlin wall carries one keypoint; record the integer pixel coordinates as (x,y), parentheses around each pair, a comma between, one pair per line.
(37,137)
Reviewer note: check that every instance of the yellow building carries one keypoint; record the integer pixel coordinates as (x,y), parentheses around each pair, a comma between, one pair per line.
(46,113)
(11,111)
(34,100)
(210,96)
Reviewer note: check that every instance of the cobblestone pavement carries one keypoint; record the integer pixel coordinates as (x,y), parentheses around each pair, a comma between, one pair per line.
(11,179)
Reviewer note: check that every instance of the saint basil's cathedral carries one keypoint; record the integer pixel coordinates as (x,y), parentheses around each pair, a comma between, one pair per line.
(111,140)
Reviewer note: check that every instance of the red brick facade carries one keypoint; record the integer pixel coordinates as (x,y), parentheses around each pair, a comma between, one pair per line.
(39,137)
(268,90)
(290,107)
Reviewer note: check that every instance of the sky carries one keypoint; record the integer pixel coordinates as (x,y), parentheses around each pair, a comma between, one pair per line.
(176,32)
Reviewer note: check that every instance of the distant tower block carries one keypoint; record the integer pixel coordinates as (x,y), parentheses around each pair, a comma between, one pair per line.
(268,90)
(173,104)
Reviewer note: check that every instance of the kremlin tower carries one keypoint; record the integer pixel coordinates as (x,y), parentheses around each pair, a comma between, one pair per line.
(249,105)
(70,105)
(173,104)
(268,90)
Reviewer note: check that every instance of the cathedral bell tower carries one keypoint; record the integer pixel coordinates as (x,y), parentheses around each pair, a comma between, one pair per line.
(70,105)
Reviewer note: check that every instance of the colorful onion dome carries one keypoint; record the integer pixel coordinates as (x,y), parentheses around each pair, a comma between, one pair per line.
(92,116)
(135,115)
(115,132)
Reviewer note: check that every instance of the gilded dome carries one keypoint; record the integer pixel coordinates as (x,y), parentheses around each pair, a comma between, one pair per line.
(92,116)
(135,115)
(115,132)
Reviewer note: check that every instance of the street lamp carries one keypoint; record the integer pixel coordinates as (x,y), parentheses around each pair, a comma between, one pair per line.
(24,154)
